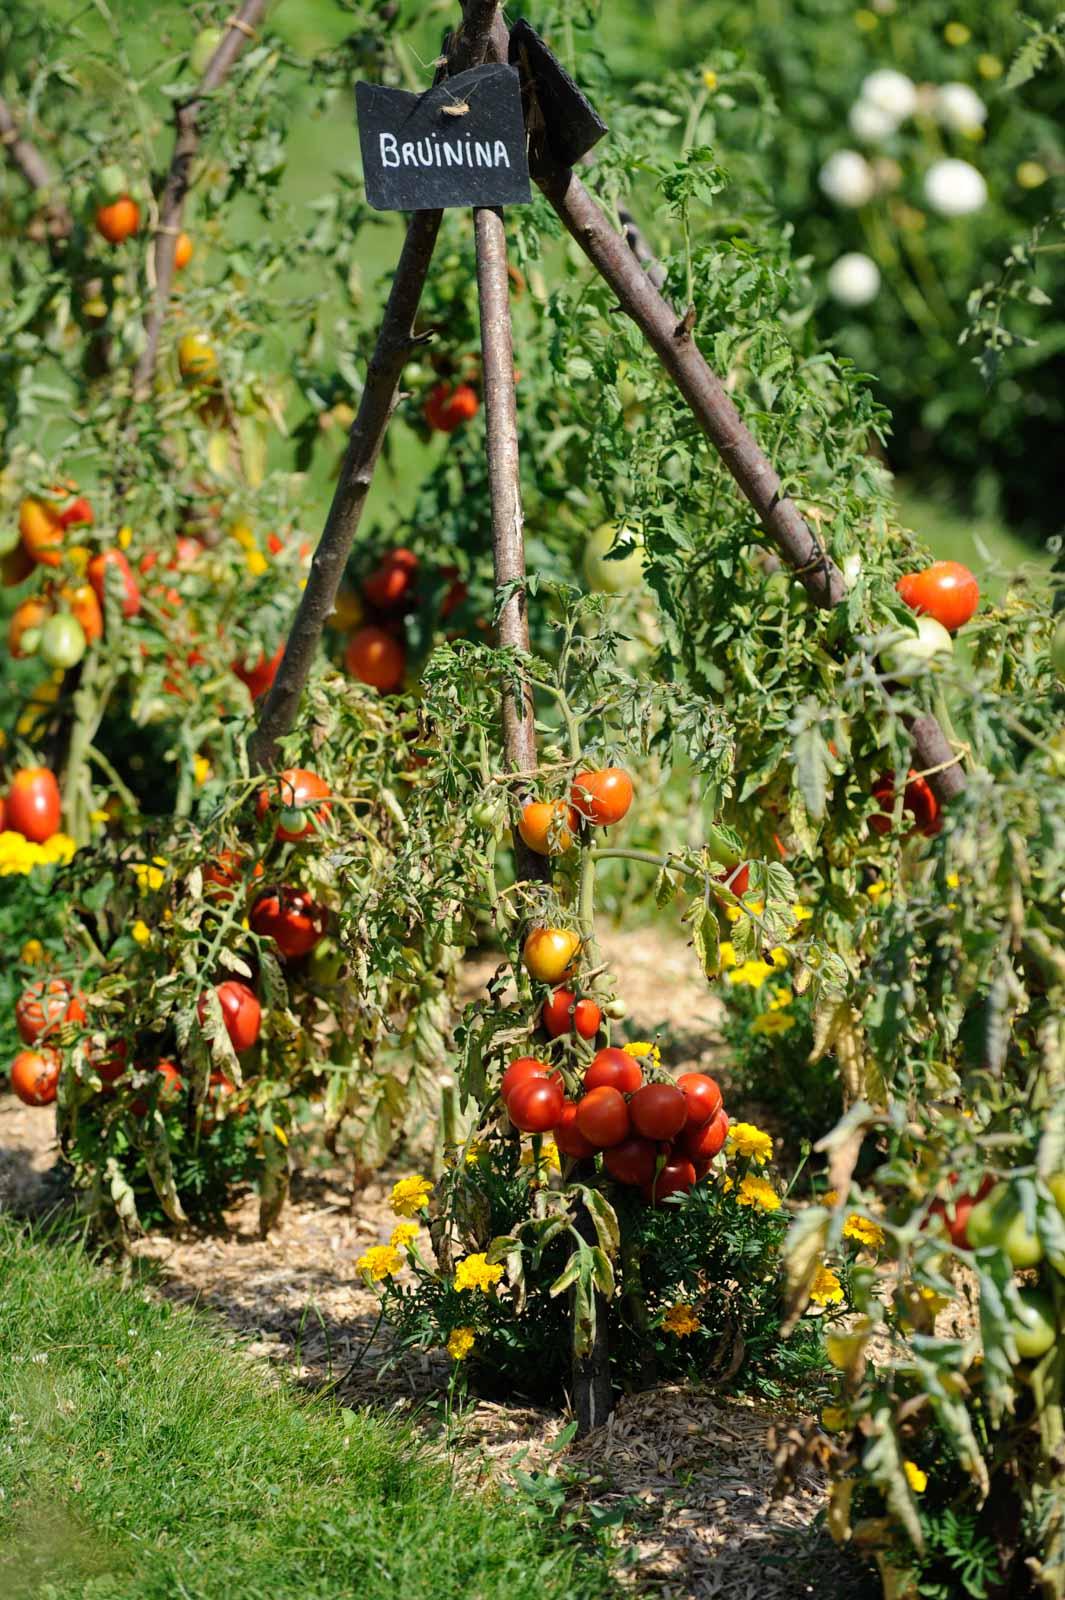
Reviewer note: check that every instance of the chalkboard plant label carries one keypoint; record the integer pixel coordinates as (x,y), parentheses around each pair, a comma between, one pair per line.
(462,143)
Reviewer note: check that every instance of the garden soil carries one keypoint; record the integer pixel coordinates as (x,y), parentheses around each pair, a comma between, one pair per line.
(687,1475)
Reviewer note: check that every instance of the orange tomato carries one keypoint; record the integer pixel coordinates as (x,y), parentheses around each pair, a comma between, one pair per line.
(119,220)
(83,604)
(602,797)
(183,251)
(28,615)
(41,530)
(377,658)
(35,1076)
(548,826)
(448,407)
(548,953)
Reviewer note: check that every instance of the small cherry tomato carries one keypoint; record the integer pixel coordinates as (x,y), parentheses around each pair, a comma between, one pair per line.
(568,1137)
(564,1013)
(520,1071)
(676,1177)
(602,797)
(241,1012)
(118,221)
(703,1097)
(171,1088)
(913,655)
(125,586)
(224,873)
(63,641)
(547,826)
(448,407)
(290,918)
(296,789)
(24,628)
(183,251)
(197,359)
(658,1111)
(41,529)
(549,953)
(614,1070)
(918,800)
(85,609)
(375,657)
(35,1076)
(737,878)
(33,804)
(703,1144)
(391,584)
(78,514)
(45,1006)
(261,674)
(603,1117)
(946,591)
(111,1065)
(633,1161)
(536,1105)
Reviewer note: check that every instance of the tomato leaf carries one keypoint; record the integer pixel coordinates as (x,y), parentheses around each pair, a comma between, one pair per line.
(706,935)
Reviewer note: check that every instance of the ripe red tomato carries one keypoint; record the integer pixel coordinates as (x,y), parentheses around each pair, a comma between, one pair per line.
(658,1110)
(260,676)
(956,1211)
(735,878)
(614,1070)
(448,407)
(45,1006)
(703,1097)
(568,1137)
(130,590)
(241,1012)
(603,1117)
(35,1076)
(377,658)
(632,1161)
(224,873)
(33,804)
(918,800)
(296,787)
(564,1012)
(119,220)
(171,1088)
(520,1071)
(391,584)
(291,918)
(703,1144)
(536,1105)
(676,1177)
(111,1066)
(547,826)
(946,590)
(602,797)
(78,514)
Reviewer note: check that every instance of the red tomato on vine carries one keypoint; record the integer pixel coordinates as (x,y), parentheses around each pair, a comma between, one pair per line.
(35,1076)
(448,407)
(376,657)
(602,797)
(702,1095)
(703,1144)
(34,807)
(568,1137)
(241,1012)
(633,1161)
(564,1013)
(603,1117)
(676,1177)
(295,791)
(536,1105)
(658,1111)
(946,591)
(613,1069)
(45,1006)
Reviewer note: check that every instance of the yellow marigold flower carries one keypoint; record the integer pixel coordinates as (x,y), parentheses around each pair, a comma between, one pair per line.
(989,66)
(141,932)
(830,1197)
(32,953)
(866,21)
(917,1480)
(957,34)
(755,907)
(125,538)
(875,890)
(801,913)
(744,1139)
(473,1154)
(864,1231)
(953,881)
(410,1195)
(460,1343)
(148,877)
(826,1289)
(403,1234)
(782,998)
(733,913)
(833,1419)
(751,974)
(758,1192)
(1031,174)
(726,951)
(640,1048)
(778,956)
(201,770)
(727,1184)
(680,1321)
(709,79)
(256,563)
(549,1156)
(474,1272)
(60,847)
(771,1023)
(98,818)
(242,532)
(380,1261)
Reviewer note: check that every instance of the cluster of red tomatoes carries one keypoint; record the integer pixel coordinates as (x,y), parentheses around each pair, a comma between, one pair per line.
(376,651)
(947,595)
(657,1137)
(32,805)
(599,798)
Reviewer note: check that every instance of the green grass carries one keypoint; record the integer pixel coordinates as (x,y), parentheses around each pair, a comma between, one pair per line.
(985,544)
(143,1458)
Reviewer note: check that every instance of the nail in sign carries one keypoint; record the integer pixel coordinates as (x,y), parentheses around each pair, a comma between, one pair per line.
(462,143)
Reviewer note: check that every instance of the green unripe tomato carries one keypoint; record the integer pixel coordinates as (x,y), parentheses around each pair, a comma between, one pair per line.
(612,577)
(1057,649)
(616,1010)
(30,642)
(111,183)
(490,814)
(62,641)
(911,656)
(325,963)
(999,1220)
(204,46)
(1035,1329)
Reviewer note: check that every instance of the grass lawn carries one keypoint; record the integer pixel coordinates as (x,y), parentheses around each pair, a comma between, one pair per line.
(142,1458)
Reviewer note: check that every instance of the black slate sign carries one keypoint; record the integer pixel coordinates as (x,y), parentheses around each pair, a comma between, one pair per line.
(462,143)
(562,123)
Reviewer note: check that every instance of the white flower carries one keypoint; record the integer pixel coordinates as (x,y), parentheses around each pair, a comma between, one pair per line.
(870,123)
(854,280)
(954,188)
(959,107)
(890,91)
(847,178)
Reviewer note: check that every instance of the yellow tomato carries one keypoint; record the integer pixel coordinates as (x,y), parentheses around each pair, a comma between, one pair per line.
(197,360)
(549,953)
(547,826)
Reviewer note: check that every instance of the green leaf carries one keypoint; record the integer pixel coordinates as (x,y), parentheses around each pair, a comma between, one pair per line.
(568,1276)
(706,935)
